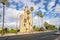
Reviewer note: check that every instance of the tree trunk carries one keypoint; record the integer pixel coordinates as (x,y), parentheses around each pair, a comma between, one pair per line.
(32,21)
(3,19)
(39,21)
(29,25)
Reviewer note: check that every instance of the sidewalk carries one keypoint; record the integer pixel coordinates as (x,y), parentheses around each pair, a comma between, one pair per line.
(12,34)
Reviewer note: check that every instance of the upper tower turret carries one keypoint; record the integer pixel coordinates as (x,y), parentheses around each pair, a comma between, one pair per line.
(26,8)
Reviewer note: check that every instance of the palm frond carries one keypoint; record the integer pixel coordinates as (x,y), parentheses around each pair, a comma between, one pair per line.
(0,1)
(39,14)
(4,2)
(7,3)
(32,8)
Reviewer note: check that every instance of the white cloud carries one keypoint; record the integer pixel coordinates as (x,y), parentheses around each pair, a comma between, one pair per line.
(43,10)
(35,21)
(41,6)
(12,6)
(57,8)
(14,0)
(50,5)
(12,14)
(1,10)
(10,25)
(29,3)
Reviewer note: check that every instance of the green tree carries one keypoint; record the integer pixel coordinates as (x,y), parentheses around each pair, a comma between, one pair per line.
(6,30)
(31,8)
(41,29)
(35,28)
(28,13)
(46,25)
(49,26)
(0,31)
(4,2)
(18,30)
(39,15)
(28,18)
(12,31)
(52,27)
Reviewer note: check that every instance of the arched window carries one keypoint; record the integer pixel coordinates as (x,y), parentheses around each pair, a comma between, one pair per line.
(24,24)
(25,20)
(29,23)
(28,18)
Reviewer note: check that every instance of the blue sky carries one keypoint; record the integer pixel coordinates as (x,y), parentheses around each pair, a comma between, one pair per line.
(49,8)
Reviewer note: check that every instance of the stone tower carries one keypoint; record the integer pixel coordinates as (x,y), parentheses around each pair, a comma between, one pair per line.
(26,21)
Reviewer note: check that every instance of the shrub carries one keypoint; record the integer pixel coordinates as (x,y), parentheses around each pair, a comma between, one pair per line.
(6,30)
(41,29)
(0,31)
(18,30)
(38,29)
(12,31)
(52,27)
(35,28)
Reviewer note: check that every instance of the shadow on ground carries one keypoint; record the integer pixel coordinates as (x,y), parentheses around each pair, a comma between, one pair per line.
(33,36)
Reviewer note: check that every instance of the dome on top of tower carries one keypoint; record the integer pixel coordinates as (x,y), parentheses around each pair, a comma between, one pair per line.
(26,6)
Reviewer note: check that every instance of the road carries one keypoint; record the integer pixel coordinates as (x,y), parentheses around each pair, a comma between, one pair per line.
(36,36)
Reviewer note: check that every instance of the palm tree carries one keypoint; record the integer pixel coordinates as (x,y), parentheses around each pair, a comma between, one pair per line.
(39,15)
(32,8)
(0,16)
(46,25)
(3,2)
(28,13)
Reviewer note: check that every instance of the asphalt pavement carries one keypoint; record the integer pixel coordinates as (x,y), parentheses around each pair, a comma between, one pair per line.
(34,36)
